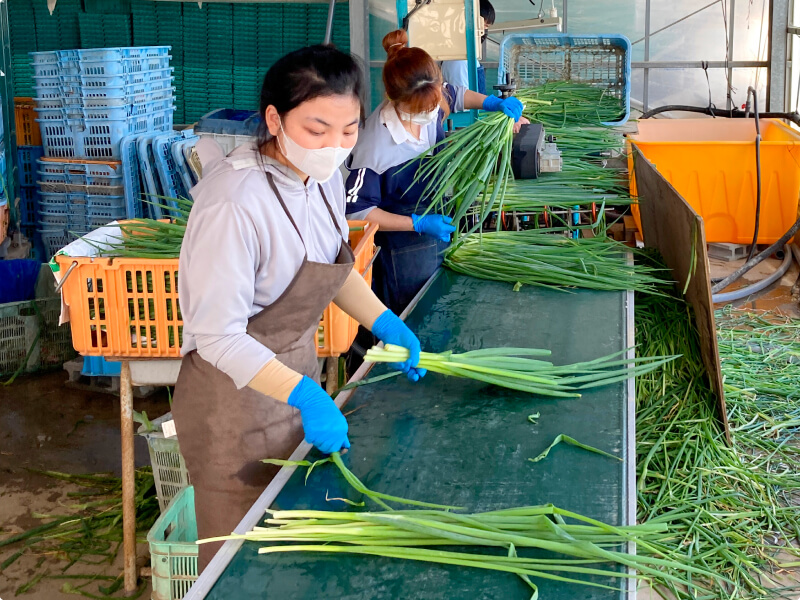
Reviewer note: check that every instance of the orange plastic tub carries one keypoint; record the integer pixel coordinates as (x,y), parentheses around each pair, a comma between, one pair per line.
(712,164)
(337,330)
(28,133)
(128,307)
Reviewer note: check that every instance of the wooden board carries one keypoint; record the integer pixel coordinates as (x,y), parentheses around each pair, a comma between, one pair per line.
(670,225)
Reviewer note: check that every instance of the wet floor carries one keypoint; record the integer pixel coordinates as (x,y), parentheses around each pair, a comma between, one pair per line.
(47,426)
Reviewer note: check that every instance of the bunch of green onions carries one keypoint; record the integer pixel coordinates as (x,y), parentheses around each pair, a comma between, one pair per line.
(561,103)
(474,161)
(151,238)
(578,548)
(514,368)
(533,195)
(587,143)
(535,258)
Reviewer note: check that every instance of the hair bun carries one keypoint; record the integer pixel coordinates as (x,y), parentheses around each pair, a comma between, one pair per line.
(393,42)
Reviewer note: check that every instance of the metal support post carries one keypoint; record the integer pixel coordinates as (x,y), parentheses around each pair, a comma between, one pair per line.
(128,476)
(359,43)
(646,91)
(731,17)
(329,25)
(778,37)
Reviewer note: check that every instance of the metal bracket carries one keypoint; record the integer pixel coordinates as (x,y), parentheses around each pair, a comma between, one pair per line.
(419,4)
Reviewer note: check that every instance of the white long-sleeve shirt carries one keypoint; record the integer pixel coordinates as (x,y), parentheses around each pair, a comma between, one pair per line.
(240,253)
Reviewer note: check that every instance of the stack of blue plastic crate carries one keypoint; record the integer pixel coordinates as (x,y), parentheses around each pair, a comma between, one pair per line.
(27,164)
(87,101)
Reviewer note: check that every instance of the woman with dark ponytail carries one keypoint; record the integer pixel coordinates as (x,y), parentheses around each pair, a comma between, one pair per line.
(380,186)
(265,252)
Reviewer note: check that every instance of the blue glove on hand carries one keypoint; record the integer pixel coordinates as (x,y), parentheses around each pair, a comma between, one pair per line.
(323,423)
(511,107)
(391,330)
(437,226)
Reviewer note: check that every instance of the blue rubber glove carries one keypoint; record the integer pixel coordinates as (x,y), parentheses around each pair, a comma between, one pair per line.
(323,423)
(511,107)
(390,329)
(437,226)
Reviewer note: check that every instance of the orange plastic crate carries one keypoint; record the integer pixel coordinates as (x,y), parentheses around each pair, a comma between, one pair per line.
(128,307)
(337,330)
(28,133)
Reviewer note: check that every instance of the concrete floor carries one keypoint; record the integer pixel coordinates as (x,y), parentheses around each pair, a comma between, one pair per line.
(44,425)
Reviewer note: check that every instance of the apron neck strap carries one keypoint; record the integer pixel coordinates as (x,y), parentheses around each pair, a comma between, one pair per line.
(275,191)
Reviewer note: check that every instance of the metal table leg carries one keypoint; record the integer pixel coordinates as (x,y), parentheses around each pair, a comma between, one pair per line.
(128,476)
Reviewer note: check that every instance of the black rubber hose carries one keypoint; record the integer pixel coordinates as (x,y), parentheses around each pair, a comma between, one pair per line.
(750,254)
(732,114)
(757,259)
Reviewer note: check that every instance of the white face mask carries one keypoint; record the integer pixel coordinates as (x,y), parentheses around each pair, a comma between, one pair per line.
(320,164)
(420,118)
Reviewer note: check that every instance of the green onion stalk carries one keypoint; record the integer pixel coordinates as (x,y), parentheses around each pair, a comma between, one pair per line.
(473,163)
(85,531)
(535,258)
(735,508)
(570,548)
(562,103)
(517,369)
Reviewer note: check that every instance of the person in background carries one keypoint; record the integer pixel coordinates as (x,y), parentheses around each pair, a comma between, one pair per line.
(380,187)
(456,72)
(265,252)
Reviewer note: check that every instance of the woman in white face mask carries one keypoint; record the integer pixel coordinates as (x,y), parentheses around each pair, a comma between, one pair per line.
(265,252)
(380,185)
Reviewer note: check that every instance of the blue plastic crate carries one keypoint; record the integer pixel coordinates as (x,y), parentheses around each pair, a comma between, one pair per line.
(228,121)
(26,163)
(97,366)
(109,113)
(55,238)
(599,60)
(96,178)
(57,57)
(171,181)
(138,93)
(58,96)
(75,84)
(147,168)
(97,139)
(179,150)
(28,205)
(131,177)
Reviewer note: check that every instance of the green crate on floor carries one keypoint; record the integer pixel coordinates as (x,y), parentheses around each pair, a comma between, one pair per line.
(173,551)
(169,468)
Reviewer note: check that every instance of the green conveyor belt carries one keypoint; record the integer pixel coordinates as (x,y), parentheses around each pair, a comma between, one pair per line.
(465,443)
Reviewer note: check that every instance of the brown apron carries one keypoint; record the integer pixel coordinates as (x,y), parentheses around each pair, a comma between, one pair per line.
(225,432)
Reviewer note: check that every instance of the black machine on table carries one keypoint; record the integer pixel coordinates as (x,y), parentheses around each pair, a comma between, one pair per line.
(533,151)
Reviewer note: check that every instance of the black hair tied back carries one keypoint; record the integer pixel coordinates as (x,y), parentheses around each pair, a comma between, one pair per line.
(306,74)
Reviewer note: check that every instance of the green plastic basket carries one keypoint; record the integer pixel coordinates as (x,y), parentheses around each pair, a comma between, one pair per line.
(173,551)
(169,469)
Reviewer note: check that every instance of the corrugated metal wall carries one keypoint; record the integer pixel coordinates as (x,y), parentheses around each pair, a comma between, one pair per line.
(220,51)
